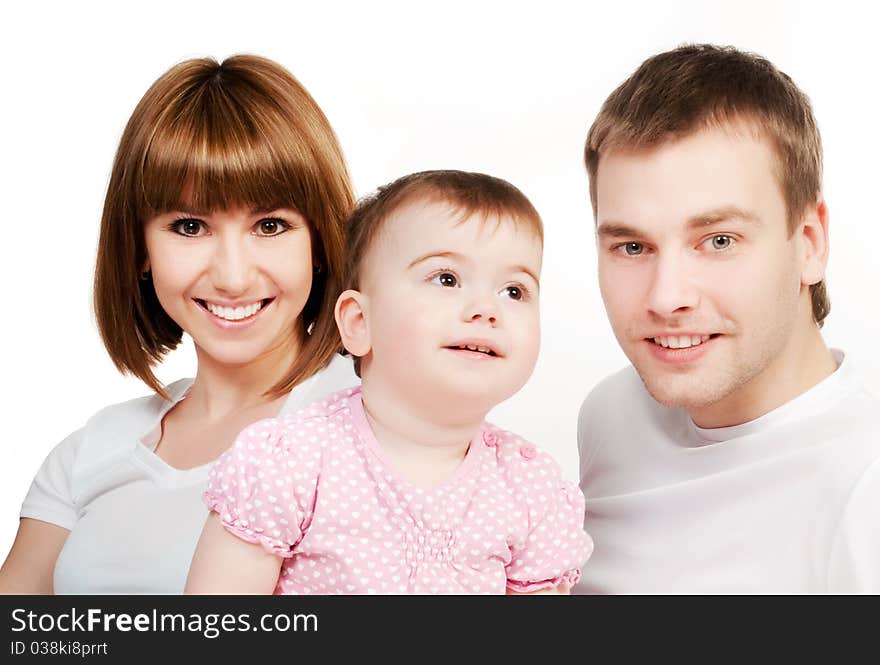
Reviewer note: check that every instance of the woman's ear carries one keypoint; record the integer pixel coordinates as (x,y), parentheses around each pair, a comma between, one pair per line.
(813,232)
(351,319)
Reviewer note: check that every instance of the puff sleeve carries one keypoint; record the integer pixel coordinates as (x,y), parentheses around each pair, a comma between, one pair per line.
(556,545)
(263,488)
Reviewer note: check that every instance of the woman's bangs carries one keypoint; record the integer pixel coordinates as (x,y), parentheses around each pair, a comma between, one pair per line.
(220,159)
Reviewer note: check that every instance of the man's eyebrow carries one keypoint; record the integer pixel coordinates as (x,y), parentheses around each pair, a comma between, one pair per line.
(720,215)
(613,229)
(460,257)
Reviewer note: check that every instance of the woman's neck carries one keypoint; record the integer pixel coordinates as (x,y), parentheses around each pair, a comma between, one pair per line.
(220,389)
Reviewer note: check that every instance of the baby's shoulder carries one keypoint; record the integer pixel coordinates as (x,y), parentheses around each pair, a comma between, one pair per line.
(309,427)
(518,460)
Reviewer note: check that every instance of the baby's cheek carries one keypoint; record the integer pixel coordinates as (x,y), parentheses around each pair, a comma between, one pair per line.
(400,339)
(529,342)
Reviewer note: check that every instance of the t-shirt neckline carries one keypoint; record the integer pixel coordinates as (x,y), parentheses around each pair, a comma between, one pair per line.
(145,450)
(820,397)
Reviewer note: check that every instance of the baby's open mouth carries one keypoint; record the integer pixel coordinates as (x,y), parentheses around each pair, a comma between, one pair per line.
(473,347)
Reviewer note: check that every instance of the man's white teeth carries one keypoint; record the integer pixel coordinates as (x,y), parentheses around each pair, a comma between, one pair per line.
(680,341)
(234,313)
(472,347)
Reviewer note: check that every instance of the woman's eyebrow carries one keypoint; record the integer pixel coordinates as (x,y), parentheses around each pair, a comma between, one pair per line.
(187,209)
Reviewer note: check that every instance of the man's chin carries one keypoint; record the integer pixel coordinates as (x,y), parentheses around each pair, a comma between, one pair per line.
(682,392)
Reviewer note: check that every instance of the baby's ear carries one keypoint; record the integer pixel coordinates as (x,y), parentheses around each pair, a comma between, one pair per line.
(351,319)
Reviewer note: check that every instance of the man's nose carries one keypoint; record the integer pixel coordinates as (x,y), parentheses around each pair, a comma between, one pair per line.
(673,289)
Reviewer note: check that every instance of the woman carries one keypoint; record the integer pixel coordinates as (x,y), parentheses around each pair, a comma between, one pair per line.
(223,219)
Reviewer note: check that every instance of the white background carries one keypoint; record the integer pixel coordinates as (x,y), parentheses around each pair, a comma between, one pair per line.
(505,88)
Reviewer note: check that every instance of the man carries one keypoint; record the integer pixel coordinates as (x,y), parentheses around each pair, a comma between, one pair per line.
(737,454)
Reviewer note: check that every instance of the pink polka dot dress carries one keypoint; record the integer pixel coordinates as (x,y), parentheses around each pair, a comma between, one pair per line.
(314,487)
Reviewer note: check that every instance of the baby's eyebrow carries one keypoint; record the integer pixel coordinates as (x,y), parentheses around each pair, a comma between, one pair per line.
(463,259)
(525,270)
(437,255)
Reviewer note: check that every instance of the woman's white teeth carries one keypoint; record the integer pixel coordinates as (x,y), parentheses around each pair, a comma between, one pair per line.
(234,313)
(680,341)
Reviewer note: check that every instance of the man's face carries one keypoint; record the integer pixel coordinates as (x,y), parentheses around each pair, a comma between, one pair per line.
(700,276)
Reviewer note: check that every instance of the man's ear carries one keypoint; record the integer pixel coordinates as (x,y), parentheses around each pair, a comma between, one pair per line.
(351,319)
(813,236)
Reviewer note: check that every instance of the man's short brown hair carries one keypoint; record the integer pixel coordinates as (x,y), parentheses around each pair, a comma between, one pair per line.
(468,194)
(676,93)
(243,132)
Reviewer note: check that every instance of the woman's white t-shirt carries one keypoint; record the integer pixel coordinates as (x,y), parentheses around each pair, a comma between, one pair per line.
(134,520)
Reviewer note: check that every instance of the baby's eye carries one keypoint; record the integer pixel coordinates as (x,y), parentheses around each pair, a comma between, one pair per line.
(514,292)
(271,227)
(189,227)
(445,279)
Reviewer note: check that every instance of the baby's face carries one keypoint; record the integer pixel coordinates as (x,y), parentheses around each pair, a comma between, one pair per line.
(452,306)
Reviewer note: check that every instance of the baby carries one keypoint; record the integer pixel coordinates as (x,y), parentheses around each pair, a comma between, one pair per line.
(400,486)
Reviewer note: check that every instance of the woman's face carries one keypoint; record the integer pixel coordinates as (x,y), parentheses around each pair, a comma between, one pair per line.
(235,280)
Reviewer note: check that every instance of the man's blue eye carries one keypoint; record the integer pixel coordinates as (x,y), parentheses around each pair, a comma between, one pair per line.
(633,248)
(721,242)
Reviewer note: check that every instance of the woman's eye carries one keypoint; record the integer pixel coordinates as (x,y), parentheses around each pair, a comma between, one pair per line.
(272,227)
(189,227)
(514,292)
(721,242)
(445,279)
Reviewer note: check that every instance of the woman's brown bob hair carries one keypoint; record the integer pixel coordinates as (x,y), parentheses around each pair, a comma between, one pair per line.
(240,133)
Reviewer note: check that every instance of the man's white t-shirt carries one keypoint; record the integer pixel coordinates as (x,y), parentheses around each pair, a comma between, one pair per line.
(134,520)
(787,503)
